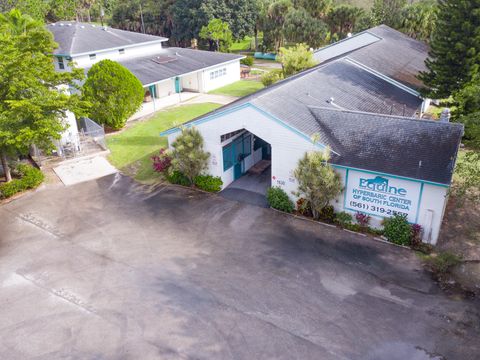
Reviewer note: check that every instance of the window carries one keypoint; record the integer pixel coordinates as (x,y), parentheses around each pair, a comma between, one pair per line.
(61,64)
(93,56)
(121,51)
(218,73)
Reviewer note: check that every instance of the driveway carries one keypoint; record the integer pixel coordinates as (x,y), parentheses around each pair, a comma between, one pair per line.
(108,269)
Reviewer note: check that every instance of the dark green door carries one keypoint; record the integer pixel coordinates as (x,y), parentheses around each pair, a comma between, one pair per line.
(237,171)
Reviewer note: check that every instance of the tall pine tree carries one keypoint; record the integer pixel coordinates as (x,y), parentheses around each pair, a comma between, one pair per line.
(455,47)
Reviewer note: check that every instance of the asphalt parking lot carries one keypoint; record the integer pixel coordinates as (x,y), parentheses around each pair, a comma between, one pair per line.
(109,269)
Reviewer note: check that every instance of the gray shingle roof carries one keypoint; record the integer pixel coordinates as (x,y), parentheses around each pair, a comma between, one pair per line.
(182,61)
(395,55)
(79,38)
(414,148)
(358,132)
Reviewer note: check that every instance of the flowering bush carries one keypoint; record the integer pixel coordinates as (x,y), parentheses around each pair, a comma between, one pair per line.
(416,234)
(362,219)
(162,161)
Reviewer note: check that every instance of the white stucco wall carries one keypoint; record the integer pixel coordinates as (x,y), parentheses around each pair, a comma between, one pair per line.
(165,88)
(287,147)
(232,75)
(114,54)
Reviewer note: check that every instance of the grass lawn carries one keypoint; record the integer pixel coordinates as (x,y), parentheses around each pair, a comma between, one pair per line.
(239,88)
(132,148)
(243,45)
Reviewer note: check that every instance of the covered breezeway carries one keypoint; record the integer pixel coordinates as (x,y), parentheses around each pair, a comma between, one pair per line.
(248,159)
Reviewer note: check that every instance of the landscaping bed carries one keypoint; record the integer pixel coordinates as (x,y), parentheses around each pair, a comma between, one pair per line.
(25,177)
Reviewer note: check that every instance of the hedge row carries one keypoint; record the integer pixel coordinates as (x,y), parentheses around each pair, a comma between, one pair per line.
(30,178)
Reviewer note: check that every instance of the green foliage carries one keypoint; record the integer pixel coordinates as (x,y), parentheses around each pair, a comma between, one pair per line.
(466,184)
(187,17)
(301,27)
(30,178)
(208,183)
(31,107)
(418,19)
(188,155)
(303,207)
(318,183)
(397,230)
(114,93)
(176,177)
(296,59)
(272,23)
(327,213)
(343,19)
(271,77)
(387,12)
(278,199)
(455,47)
(217,32)
(441,263)
(248,61)
(343,219)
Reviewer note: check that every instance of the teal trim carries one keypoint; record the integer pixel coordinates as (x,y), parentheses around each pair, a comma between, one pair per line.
(286,126)
(390,175)
(419,201)
(345,191)
(243,106)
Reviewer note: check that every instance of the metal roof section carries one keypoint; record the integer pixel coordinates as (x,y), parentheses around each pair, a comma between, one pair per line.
(77,38)
(345,46)
(172,62)
(395,55)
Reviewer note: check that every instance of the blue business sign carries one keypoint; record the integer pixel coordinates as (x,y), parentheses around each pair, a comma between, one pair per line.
(381,195)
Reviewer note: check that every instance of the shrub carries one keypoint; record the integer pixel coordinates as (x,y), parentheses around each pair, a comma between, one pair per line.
(271,77)
(343,219)
(114,93)
(176,177)
(327,213)
(443,262)
(162,161)
(31,177)
(248,61)
(208,183)
(362,219)
(416,238)
(397,230)
(188,155)
(278,199)
(303,207)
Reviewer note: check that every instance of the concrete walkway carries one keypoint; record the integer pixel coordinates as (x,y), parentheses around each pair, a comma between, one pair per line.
(151,107)
(250,189)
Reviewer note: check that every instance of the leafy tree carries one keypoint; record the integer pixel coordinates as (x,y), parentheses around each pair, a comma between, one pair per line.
(273,24)
(343,19)
(271,77)
(296,59)
(217,32)
(419,18)
(316,8)
(301,27)
(387,12)
(318,183)
(466,183)
(455,47)
(114,93)
(188,156)
(37,9)
(31,107)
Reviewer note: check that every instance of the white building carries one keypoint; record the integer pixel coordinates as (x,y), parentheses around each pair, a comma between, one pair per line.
(162,71)
(389,159)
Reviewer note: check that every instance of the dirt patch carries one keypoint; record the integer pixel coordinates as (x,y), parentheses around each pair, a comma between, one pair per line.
(461,230)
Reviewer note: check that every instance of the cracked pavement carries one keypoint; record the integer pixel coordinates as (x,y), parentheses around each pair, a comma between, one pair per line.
(110,269)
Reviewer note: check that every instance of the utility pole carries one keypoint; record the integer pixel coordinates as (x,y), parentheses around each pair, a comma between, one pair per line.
(141,18)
